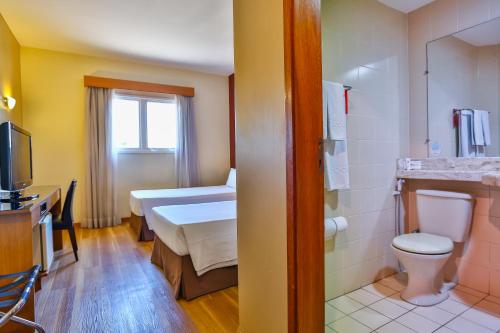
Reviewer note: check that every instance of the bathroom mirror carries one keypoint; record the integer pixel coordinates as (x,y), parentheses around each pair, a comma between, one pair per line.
(463,85)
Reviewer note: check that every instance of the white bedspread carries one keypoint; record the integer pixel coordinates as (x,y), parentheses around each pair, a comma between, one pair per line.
(205,231)
(179,196)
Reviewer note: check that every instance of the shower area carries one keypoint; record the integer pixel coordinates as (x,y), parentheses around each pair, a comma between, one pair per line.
(365,50)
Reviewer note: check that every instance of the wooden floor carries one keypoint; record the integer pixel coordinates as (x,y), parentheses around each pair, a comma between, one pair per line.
(115,288)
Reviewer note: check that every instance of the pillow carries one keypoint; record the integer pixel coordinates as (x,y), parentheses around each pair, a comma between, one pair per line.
(231,179)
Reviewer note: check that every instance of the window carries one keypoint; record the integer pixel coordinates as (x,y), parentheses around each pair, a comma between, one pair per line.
(144,124)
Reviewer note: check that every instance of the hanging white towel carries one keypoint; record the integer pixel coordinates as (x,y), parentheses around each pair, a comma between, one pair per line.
(466,147)
(325,112)
(474,133)
(334,111)
(485,122)
(336,162)
(478,128)
(336,165)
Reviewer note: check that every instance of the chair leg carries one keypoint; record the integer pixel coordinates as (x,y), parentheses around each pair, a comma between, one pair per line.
(72,237)
(25,322)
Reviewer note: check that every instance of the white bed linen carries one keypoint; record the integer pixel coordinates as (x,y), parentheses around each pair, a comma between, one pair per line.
(205,231)
(179,196)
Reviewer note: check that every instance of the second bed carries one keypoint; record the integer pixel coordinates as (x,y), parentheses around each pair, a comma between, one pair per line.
(196,246)
(143,201)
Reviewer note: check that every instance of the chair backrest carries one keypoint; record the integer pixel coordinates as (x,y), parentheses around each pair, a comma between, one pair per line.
(67,213)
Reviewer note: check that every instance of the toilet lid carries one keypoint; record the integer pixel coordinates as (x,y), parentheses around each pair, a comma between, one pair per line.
(423,243)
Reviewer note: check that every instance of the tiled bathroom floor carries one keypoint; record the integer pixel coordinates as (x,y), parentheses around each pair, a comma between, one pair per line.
(379,308)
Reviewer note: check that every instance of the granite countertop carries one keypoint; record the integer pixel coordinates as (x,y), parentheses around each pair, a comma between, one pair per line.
(485,170)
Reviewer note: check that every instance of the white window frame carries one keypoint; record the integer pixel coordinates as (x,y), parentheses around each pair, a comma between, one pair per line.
(143,99)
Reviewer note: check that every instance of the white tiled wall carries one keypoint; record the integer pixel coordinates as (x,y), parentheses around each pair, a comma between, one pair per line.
(435,20)
(365,46)
(381,53)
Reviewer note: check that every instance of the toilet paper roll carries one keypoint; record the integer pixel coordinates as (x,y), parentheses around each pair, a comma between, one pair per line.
(333,225)
(330,228)
(341,223)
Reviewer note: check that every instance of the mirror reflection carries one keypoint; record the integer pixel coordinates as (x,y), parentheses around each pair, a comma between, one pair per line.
(463,93)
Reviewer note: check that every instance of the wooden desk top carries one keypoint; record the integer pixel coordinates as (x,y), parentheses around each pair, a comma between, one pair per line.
(45,193)
(16,239)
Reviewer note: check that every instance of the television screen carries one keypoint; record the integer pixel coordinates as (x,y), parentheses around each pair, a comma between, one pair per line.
(15,157)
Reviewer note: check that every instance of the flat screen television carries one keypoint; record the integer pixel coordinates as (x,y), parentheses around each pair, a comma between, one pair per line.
(15,158)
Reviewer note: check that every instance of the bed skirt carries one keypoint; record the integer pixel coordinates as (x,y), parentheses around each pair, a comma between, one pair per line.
(141,229)
(181,275)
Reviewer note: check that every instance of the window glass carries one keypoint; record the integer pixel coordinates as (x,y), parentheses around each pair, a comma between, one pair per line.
(161,125)
(126,123)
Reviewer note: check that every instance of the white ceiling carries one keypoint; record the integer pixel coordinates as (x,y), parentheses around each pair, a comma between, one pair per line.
(193,34)
(482,35)
(405,6)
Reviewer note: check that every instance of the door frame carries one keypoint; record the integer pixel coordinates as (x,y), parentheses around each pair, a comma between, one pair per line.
(304,154)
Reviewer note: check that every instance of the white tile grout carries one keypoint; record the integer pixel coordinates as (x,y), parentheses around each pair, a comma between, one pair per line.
(481,298)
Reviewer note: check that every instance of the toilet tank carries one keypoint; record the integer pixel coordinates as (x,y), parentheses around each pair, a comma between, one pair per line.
(444,213)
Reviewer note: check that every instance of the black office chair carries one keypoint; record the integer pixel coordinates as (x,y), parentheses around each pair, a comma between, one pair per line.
(14,296)
(65,222)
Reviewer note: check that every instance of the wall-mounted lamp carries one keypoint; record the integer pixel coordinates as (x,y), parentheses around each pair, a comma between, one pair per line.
(9,102)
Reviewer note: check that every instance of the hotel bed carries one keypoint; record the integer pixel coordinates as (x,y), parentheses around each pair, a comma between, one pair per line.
(195,245)
(143,201)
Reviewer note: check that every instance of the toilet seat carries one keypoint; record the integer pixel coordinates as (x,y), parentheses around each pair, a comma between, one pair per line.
(422,243)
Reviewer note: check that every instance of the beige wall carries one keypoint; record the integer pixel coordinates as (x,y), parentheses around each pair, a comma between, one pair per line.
(437,19)
(477,262)
(10,73)
(54,102)
(260,153)
(155,171)
(365,46)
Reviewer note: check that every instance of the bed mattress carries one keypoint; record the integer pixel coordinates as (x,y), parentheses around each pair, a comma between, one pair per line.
(178,196)
(205,231)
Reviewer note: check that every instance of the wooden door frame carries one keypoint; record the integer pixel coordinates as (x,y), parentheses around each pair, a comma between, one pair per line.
(305,196)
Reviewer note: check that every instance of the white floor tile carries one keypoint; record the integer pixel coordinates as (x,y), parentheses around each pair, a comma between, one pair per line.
(394,327)
(332,314)
(388,309)
(462,325)
(463,297)
(328,330)
(370,318)
(369,310)
(345,304)
(418,323)
(379,290)
(453,306)
(396,299)
(349,325)
(396,282)
(470,291)
(363,297)
(435,314)
(485,313)
(444,329)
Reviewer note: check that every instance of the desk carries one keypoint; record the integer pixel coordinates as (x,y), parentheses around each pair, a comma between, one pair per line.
(16,239)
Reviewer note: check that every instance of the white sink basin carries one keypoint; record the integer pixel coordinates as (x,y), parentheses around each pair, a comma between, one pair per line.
(491,179)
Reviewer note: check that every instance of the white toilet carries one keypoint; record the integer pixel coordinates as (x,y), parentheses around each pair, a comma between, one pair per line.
(444,218)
